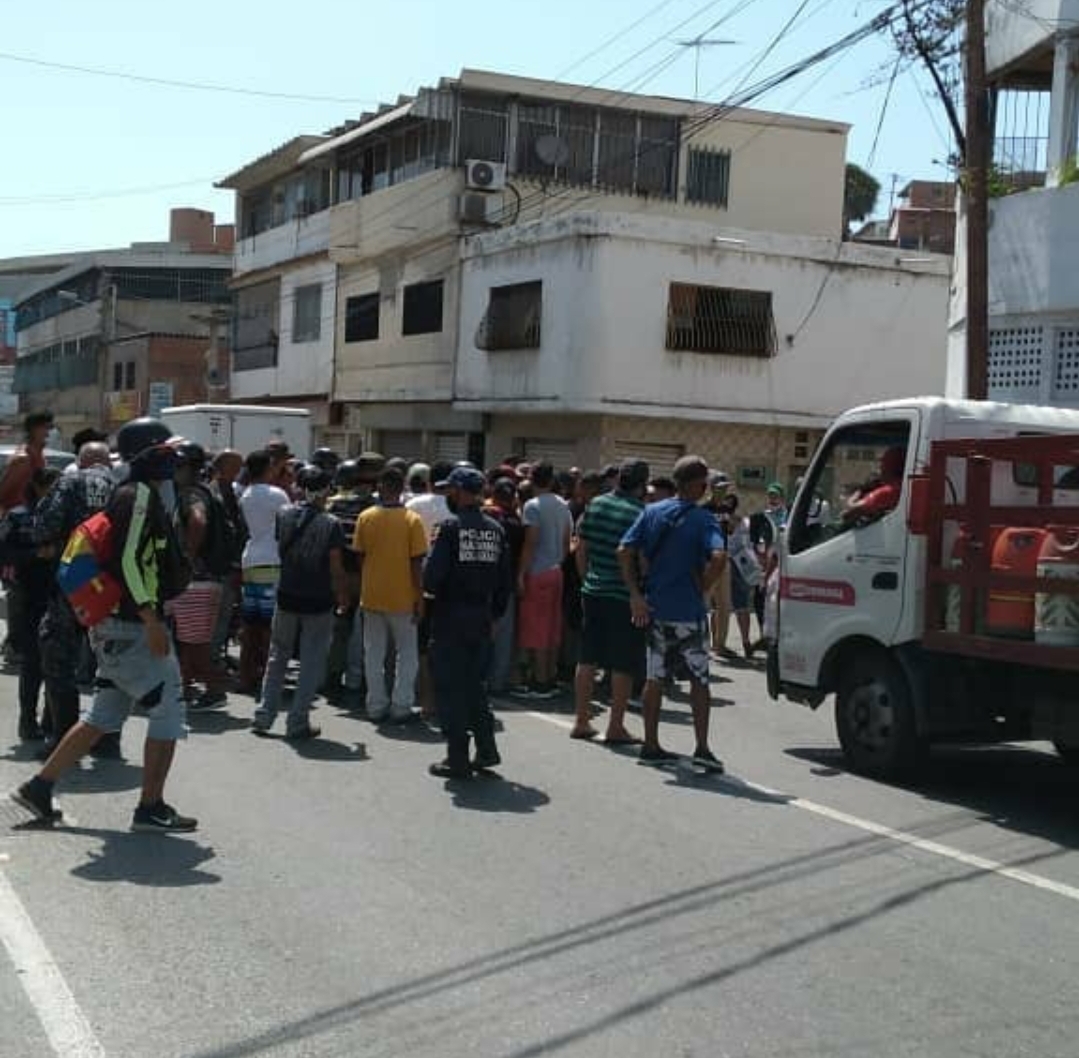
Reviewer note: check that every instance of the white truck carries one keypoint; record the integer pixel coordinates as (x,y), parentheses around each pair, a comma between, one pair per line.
(243,427)
(953,615)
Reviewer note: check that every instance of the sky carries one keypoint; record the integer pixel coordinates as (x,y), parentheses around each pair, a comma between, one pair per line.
(94,161)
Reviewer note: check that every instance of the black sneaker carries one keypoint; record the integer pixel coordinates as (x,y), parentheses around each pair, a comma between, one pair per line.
(544,692)
(656,758)
(485,759)
(29,731)
(303,734)
(705,758)
(163,818)
(444,770)
(206,702)
(36,797)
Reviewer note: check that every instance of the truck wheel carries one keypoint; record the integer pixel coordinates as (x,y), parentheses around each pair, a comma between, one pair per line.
(874,716)
(1068,752)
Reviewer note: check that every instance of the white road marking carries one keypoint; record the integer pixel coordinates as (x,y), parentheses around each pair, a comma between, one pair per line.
(64,1023)
(901,837)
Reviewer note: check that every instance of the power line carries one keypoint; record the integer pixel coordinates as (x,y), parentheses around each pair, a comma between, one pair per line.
(95,196)
(168,82)
(883,113)
(614,39)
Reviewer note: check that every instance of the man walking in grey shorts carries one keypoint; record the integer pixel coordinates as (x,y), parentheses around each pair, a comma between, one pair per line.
(136,664)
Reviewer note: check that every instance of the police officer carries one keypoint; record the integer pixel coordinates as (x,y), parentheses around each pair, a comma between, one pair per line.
(468,575)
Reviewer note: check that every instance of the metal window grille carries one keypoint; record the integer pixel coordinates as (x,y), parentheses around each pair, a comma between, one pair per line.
(483,127)
(361,318)
(1022,138)
(307,313)
(255,327)
(1015,361)
(422,312)
(720,320)
(708,176)
(513,318)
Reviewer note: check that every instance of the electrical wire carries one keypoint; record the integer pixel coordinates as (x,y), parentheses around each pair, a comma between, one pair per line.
(576,64)
(96,196)
(883,113)
(168,82)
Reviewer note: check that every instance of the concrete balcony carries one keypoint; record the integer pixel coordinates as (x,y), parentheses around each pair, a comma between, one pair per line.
(1019,36)
(302,237)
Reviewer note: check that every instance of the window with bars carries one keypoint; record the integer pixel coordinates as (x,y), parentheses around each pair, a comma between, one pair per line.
(702,319)
(483,126)
(422,308)
(513,318)
(708,176)
(255,327)
(307,313)
(361,318)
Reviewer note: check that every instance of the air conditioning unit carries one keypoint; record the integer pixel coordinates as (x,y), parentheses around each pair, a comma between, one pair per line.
(475,207)
(485,176)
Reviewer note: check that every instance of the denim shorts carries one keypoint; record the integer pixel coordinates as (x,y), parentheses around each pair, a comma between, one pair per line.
(129,675)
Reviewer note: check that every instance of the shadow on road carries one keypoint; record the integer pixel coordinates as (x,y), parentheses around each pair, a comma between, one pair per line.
(495,794)
(640,920)
(103,776)
(215,722)
(328,750)
(728,786)
(1012,787)
(155,860)
(417,731)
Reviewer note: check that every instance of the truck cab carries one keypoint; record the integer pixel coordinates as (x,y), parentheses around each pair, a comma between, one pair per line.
(852,577)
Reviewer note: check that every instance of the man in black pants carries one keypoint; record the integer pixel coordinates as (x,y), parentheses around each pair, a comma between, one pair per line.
(468,575)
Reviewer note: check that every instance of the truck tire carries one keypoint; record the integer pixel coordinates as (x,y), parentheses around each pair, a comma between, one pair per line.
(875,717)
(1068,752)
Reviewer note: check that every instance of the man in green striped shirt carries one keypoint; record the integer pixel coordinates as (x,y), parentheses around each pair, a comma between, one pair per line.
(609,639)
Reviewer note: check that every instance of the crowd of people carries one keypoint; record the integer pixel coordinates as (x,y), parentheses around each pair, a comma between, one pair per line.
(415,593)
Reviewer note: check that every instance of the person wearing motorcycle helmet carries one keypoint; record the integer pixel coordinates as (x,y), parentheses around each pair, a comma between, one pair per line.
(135,659)
(202,523)
(354,492)
(312,584)
(325,459)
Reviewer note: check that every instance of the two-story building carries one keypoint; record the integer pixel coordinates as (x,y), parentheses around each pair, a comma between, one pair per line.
(1033,69)
(547,269)
(122,333)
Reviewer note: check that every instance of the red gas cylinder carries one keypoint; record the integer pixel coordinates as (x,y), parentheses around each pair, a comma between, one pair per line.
(1057,615)
(1011,613)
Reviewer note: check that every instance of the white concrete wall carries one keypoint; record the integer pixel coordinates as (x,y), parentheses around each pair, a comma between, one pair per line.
(1016,27)
(296,238)
(395,367)
(875,329)
(303,368)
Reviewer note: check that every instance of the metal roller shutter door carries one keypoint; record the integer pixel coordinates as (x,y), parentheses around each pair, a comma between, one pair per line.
(561,454)
(660,458)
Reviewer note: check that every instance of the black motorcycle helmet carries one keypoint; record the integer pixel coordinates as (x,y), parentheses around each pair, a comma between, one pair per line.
(312,478)
(325,459)
(141,435)
(190,454)
(348,474)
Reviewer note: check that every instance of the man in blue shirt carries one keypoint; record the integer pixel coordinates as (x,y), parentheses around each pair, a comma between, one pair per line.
(675,550)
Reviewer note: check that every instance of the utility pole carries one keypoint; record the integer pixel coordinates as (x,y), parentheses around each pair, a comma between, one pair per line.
(976,166)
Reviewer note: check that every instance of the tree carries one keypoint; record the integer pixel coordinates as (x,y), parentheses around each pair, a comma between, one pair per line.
(859,194)
(929,33)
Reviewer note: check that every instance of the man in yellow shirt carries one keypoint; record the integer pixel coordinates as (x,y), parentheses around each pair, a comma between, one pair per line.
(391,543)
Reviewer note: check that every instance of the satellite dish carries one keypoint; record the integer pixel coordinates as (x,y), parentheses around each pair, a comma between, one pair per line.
(552,150)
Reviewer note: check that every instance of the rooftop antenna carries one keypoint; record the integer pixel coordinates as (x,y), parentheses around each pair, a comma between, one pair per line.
(698,43)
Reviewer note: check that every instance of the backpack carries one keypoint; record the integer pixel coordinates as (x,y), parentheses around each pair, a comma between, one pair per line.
(83,576)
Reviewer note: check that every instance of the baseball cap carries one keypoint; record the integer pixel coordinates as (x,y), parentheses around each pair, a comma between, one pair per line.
(633,473)
(369,465)
(467,478)
(777,489)
(419,471)
(719,480)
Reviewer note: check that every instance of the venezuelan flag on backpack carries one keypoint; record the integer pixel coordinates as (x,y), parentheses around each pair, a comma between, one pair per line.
(92,591)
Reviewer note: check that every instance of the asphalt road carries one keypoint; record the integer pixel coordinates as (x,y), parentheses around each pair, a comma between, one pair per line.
(337,901)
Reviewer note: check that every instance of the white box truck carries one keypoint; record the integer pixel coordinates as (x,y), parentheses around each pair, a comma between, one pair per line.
(950,612)
(243,427)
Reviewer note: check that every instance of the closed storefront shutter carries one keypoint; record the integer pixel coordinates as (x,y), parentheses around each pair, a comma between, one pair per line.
(451,447)
(403,444)
(660,458)
(561,454)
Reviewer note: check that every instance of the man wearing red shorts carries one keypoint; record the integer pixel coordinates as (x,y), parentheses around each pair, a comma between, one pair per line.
(548,528)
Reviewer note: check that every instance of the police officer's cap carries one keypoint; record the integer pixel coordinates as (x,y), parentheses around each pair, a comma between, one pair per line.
(468,479)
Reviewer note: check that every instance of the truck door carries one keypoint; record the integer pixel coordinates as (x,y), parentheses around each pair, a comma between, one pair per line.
(842,572)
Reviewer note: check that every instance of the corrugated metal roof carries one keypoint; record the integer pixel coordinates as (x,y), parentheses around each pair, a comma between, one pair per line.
(280,160)
(361,130)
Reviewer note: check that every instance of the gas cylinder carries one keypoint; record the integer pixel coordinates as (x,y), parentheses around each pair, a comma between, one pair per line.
(1056,620)
(1011,613)
(953,596)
